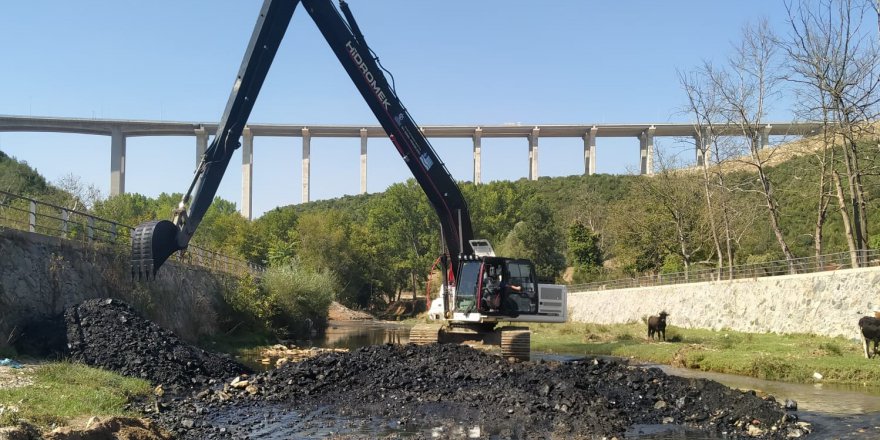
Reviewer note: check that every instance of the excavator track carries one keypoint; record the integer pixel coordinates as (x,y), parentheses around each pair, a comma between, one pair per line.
(516,343)
(424,334)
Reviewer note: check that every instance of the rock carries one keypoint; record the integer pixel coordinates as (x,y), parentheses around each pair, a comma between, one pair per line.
(754,431)
(110,334)
(790,405)
(660,404)
(94,420)
(22,431)
(122,428)
(817,375)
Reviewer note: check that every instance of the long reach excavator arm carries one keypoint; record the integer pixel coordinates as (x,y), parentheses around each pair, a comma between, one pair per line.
(153,242)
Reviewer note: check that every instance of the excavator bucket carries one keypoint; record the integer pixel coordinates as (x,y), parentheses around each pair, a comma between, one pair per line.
(151,244)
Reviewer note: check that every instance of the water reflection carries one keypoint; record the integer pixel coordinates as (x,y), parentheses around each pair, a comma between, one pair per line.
(356,334)
(824,398)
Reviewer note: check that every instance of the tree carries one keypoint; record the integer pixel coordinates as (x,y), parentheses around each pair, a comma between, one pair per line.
(80,196)
(537,238)
(705,107)
(129,209)
(274,238)
(406,234)
(584,254)
(583,246)
(745,89)
(678,204)
(836,64)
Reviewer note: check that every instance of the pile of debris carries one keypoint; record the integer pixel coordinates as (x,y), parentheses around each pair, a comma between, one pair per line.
(448,387)
(109,334)
(283,354)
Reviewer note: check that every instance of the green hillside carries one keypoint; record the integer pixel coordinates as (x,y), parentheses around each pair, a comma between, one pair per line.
(382,245)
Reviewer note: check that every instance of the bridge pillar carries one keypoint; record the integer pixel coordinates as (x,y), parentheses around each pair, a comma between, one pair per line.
(363,161)
(647,150)
(533,154)
(590,151)
(201,143)
(307,147)
(765,135)
(478,165)
(117,161)
(247,172)
(703,142)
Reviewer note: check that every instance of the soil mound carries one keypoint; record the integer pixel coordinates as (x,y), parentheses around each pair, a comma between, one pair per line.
(108,333)
(339,312)
(114,428)
(452,386)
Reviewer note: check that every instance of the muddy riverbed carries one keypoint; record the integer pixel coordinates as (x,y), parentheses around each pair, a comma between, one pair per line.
(397,390)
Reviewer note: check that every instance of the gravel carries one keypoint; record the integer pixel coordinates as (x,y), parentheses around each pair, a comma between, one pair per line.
(109,334)
(393,391)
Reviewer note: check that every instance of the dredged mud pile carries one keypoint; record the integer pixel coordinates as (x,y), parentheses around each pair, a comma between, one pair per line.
(436,390)
(109,334)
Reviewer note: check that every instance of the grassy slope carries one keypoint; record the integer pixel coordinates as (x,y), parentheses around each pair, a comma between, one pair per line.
(64,391)
(790,358)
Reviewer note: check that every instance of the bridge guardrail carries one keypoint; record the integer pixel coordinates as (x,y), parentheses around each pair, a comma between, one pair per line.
(27,214)
(813,264)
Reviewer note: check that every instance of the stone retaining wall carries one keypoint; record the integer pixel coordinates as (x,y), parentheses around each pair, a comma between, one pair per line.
(40,276)
(823,303)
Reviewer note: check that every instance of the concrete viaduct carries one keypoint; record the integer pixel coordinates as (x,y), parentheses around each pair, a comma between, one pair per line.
(119,130)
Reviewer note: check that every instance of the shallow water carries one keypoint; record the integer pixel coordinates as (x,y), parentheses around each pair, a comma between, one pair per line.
(835,411)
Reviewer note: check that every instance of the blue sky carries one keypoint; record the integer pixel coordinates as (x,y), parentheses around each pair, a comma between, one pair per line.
(454,62)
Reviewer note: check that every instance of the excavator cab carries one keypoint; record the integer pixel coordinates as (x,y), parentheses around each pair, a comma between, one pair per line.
(496,286)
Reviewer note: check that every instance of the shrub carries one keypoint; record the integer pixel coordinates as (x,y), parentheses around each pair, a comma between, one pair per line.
(250,303)
(301,296)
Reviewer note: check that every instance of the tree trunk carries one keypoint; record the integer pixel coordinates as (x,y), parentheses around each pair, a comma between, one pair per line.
(844,214)
(773,210)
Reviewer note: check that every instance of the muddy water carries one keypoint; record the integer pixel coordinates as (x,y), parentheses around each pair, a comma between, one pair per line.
(836,411)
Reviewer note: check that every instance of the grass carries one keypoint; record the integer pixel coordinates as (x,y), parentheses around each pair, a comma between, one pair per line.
(65,391)
(790,358)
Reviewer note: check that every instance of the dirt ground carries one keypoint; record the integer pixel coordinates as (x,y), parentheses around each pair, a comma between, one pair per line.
(339,312)
(17,377)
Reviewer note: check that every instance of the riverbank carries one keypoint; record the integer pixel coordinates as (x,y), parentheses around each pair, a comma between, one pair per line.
(795,358)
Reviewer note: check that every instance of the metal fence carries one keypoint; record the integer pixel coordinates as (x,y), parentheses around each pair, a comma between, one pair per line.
(27,214)
(828,262)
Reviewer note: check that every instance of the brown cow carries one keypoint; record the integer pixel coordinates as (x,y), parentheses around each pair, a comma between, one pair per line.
(870,328)
(657,324)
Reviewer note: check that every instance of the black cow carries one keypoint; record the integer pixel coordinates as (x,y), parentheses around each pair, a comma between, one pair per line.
(657,324)
(870,328)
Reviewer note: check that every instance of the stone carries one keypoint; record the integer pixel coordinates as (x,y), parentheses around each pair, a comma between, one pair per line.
(660,404)
(754,431)
(791,405)
(22,431)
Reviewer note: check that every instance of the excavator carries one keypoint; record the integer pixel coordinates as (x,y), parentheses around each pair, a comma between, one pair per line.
(479,290)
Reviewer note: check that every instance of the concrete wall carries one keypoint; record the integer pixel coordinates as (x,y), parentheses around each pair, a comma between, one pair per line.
(826,303)
(40,276)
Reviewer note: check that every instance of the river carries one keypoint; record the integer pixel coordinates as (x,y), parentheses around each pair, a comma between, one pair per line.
(835,411)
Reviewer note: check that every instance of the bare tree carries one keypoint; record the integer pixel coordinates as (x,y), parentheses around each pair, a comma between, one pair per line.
(82,195)
(836,63)
(677,198)
(745,89)
(703,105)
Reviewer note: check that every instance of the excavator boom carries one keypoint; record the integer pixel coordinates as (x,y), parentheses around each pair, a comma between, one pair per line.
(153,242)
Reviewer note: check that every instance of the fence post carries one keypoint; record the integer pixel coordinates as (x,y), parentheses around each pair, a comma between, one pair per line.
(90,228)
(65,216)
(32,217)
